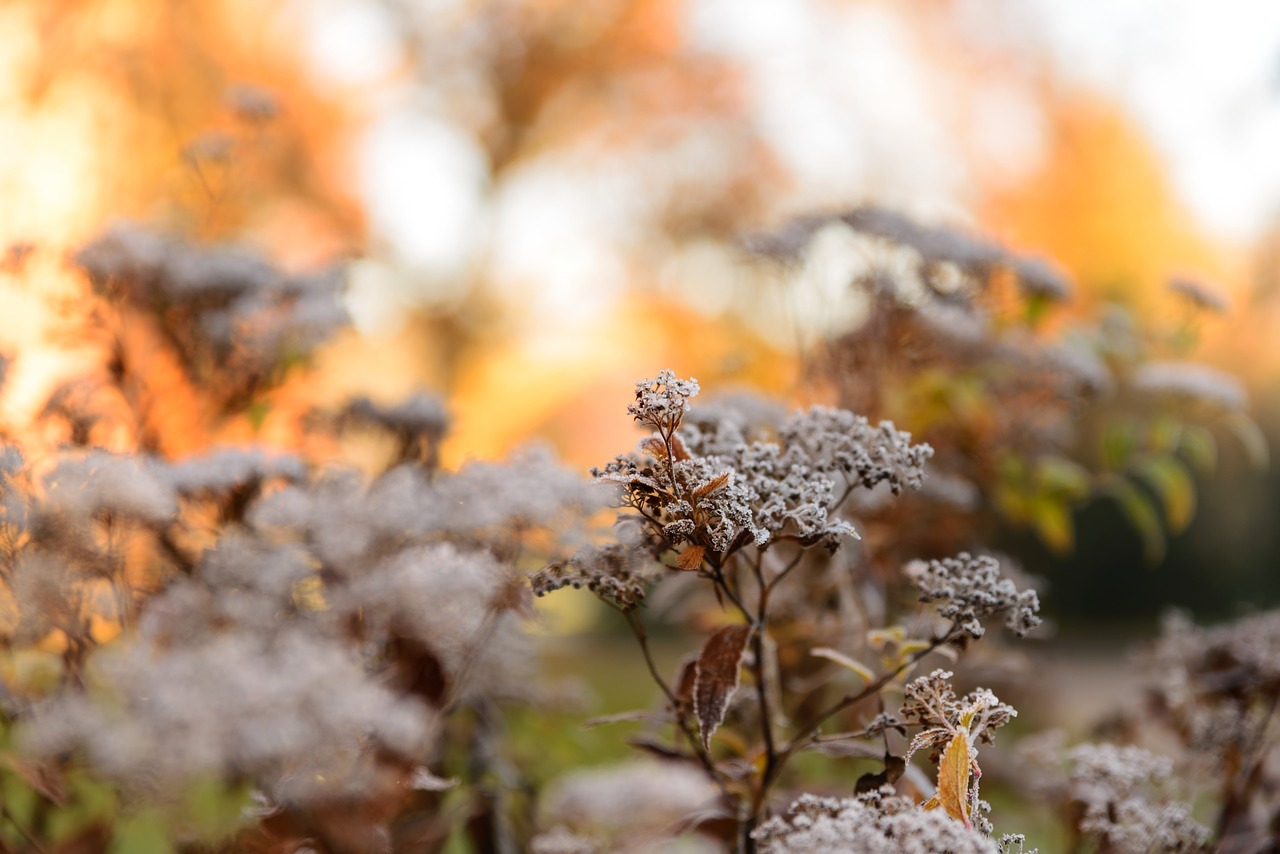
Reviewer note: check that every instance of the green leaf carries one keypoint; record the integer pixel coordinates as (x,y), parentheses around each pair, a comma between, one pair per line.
(1144,518)
(1061,477)
(215,808)
(144,833)
(860,670)
(1119,440)
(1163,434)
(1171,481)
(20,799)
(92,802)
(1200,448)
(1251,438)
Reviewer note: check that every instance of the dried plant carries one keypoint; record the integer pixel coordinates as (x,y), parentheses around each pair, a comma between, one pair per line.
(749,510)
(242,649)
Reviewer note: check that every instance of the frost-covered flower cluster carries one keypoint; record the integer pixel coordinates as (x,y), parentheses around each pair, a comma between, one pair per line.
(874,823)
(618,573)
(1216,689)
(1192,382)
(226,310)
(662,401)
(629,807)
(970,589)
(1118,796)
(707,486)
(930,703)
(296,712)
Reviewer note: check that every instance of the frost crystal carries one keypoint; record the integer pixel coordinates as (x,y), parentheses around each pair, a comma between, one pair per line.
(970,589)
(617,573)
(662,401)
(873,823)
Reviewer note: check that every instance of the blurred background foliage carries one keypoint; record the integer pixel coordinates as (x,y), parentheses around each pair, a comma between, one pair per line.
(541,200)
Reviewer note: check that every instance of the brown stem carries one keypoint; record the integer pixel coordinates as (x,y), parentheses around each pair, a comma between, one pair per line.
(809,732)
(704,758)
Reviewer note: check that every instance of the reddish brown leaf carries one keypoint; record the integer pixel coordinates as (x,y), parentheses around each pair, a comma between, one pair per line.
(716,677)
(684,684)
(654,447)
(678,450)
(691,557)
(712,485)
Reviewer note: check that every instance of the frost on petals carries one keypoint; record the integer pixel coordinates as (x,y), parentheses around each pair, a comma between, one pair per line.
(970,589)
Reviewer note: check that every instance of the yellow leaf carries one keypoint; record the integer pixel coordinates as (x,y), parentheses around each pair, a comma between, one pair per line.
(861,670)
(953,778)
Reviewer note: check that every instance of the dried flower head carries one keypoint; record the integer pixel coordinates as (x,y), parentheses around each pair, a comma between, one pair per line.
(1199,294)
(874,823)
(630,806)
(1118,796)
(1190,382)
(619,574)
(662,401)
(296,712)
(970,589)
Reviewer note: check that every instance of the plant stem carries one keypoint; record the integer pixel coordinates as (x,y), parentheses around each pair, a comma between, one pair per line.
(809,732)
(704,758)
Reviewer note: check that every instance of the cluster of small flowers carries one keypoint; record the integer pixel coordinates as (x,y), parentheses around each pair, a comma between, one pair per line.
(934,245)
(419,423)
(1216,684)
(218,304)
(931,703)
(1107,782)
(293,712)
(1190,382)
(708,486)
(619,574)
(662,401)
(631,807)
(874,822)
(971,589)
(314,646)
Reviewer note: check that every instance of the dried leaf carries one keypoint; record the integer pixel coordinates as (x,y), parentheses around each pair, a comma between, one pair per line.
(716,677)
(619,718)
(691,557)
(654,447)
(684,684)
(712,485)
(953,779)
(863,672)
(678,450)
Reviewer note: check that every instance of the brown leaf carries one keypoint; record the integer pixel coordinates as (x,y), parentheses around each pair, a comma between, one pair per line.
(716,677)
(691,557)
(712,485)
(684,684)
(654,447)
(678,450)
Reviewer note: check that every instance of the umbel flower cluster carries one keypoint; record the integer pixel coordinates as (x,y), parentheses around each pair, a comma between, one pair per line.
(738,499)
(312,653)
